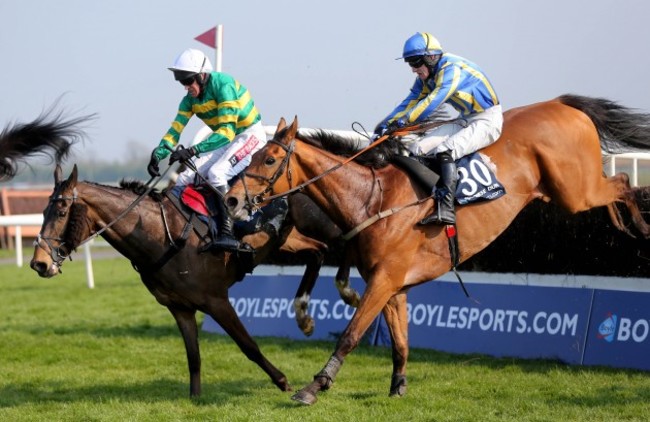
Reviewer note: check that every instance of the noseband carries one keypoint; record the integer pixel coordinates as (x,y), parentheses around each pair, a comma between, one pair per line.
(57,253)
(252,203)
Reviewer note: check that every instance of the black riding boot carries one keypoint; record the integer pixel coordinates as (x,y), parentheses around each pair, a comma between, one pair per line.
(445,195)
(225,238)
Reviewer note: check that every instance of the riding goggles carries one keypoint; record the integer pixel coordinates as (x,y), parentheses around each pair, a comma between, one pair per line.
(415,61)
(187,81)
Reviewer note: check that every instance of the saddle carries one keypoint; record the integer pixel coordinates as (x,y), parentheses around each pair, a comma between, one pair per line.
(197,205)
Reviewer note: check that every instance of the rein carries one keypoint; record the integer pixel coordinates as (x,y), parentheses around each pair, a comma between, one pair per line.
(56,252)
(260,197)
(149,187)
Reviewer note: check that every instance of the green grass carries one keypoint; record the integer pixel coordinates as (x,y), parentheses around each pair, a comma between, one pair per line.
(69,353)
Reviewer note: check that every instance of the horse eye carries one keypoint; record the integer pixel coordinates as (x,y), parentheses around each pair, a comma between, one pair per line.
(269,161)
(62,213)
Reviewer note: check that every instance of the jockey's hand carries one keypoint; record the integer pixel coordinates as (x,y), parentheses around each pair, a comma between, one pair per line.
(397,124)
(379,132)
(152,168)
(182,155)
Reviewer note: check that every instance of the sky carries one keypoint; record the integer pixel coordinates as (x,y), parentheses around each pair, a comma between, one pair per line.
(329,63)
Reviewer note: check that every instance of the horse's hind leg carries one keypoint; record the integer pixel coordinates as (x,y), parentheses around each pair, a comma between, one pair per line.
(628,197)
(223,313)
(606,191)
(186,321)
(396,317)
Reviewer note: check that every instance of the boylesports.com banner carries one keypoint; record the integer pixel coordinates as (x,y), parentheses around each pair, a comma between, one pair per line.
(575,325)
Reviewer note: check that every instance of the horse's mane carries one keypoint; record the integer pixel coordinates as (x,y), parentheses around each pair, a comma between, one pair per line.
(345,146)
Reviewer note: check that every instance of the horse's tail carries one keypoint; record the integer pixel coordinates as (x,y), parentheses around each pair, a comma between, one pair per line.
(621,129)
(49,134)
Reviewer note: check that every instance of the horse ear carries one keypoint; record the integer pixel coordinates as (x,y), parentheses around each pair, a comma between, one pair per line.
(293,129)
(281,124)
(57,174)
(72,180)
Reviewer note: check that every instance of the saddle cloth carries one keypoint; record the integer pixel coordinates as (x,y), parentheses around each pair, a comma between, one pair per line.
(476,180)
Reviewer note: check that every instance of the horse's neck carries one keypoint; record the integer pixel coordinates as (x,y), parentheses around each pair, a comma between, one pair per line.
(106,204)
(349,194)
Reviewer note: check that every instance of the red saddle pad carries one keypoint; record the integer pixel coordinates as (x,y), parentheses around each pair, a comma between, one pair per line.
(195,200)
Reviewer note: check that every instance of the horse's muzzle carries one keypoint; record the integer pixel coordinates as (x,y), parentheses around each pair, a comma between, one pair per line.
(236,208)
(45,270)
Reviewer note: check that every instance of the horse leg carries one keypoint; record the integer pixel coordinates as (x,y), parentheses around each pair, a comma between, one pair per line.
(315,252)
(617,219)
(224,314)
(342,280)
(373,300)
(397,320)
(604,191)
(632,205)
(303,294)
(627,196)
(186,322)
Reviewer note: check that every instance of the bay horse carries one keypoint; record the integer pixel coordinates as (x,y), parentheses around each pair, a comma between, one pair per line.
(549,150)
(179,278)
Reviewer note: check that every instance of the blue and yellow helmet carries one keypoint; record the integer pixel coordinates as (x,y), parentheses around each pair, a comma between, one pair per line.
(421,44)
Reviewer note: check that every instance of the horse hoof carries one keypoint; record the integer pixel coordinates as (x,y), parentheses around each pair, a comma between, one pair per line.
(304,397)
(397,386)
(283,384)
(307,327)
(398,392)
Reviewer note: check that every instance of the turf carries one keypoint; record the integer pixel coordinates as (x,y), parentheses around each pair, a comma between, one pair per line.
(69,353)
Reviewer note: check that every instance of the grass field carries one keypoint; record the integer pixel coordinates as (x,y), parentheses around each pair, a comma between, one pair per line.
(69,353)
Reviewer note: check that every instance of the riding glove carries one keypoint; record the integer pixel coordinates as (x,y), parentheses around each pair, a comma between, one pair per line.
(379,131)
(397,124)
(182,155)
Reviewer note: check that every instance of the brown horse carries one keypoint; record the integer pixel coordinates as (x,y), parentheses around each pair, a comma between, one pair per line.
(177,276)
(549,150)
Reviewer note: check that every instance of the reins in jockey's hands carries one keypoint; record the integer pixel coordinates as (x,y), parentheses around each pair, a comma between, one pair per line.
(383,128)
(397,124)
(182,155)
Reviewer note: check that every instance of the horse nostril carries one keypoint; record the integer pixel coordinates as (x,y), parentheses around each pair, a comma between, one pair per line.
(38,266)
(231,202)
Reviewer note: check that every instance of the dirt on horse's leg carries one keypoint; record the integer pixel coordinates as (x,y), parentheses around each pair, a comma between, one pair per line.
(224,314)
(186,322)
(372,301)
(395,314)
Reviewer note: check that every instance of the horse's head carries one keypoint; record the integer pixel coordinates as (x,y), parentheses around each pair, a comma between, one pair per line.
(268,173)
(63,226)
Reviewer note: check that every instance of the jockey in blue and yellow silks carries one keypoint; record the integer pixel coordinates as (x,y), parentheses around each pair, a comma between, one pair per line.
(227,108)
(444,78)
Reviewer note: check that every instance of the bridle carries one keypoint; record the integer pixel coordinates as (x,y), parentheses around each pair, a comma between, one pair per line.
(57,253)
(253,202)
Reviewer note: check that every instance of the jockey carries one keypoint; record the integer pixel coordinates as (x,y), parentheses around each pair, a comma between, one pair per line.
(444,78)
(226,106)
